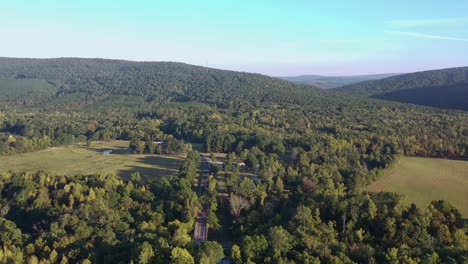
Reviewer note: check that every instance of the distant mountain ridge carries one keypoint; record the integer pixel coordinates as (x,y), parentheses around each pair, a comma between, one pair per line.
(445,88)
(328,82)
(78,83)
(83,82)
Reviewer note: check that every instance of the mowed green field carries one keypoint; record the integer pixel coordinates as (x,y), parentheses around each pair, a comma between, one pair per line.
(423,180)
(80,159)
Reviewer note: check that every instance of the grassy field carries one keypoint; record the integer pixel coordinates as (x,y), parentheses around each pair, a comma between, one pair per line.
(78,159)
(423,180)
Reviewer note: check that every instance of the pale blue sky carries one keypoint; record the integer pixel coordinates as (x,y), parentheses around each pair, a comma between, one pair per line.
(270,37)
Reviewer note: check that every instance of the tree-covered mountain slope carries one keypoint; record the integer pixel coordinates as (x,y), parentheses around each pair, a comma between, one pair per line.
(328,82)
(89,81)
(447,88)
(20,92)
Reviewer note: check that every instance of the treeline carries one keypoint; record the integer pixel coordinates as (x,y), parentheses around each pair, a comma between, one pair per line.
(403,130)
(20,133)
(169,146)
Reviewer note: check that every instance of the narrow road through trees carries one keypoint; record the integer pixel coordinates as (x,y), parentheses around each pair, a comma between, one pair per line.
(201,225)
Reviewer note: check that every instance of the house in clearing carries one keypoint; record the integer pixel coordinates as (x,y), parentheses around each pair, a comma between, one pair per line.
(240,164)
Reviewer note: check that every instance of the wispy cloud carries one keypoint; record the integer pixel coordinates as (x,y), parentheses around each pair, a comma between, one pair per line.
(428,22)
(425,36)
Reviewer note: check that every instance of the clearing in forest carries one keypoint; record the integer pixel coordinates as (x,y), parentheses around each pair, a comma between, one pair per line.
(80,159)
(423,180)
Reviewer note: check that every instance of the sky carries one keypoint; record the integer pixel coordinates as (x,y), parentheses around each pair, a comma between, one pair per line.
(279,38)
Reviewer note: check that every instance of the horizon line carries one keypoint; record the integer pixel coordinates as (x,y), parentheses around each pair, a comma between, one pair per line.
(220,66)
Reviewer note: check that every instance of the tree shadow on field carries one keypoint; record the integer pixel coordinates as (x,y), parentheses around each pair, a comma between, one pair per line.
(153,167)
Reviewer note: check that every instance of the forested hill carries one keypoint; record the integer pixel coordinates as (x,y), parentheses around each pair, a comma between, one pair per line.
(446,88)
(328,82)
(88,81)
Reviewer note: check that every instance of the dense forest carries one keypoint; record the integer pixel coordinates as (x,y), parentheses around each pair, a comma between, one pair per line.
(447,88)
(113,84)
(313,154)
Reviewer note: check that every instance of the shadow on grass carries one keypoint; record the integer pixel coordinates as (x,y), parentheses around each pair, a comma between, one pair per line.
(152,168)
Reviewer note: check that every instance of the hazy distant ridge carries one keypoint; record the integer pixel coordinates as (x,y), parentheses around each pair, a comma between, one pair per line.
(327,82)
(446,88)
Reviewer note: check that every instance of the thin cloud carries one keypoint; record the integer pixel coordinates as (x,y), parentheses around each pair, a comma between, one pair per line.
(425,36)
(428,22)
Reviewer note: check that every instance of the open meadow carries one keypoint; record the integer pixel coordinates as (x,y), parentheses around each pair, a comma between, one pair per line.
(423,180)
(80,159)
